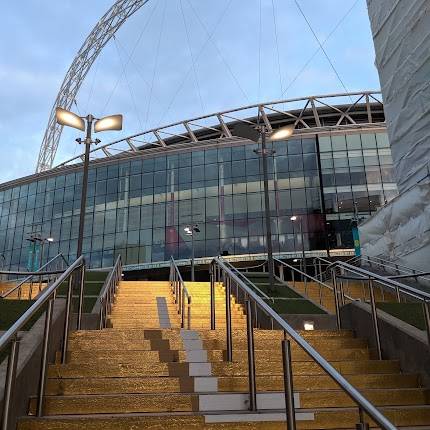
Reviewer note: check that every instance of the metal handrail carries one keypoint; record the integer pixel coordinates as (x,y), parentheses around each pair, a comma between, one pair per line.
(306,277)
(364,405)
(11,336)
(413,273)
(180,292)
(399,288)
(30,276)
(108,291)
(245,279)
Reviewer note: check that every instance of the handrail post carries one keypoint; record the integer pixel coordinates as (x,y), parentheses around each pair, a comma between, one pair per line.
(251,359)
(189,313)
(10,382)
(81,297)
(375,320)
(67,321)
(44,358)
(212,297)
(229,338)
(288,385)
(336,298)
(363,425)
(426,305)
(101,314)
(182,307)
(281,272)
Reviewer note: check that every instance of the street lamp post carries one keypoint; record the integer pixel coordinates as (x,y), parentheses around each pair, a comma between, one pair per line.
(189,231)
(299,218)
(112,122)
(261,134)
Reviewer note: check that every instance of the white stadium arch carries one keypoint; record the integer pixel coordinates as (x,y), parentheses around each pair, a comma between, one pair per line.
(104,30)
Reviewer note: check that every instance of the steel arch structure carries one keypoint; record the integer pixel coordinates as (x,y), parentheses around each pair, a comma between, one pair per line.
(104,30)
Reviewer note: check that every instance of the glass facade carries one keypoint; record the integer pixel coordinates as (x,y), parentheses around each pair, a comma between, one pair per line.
(139,207)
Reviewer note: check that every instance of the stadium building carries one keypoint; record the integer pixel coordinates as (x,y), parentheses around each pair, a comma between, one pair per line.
(335,167)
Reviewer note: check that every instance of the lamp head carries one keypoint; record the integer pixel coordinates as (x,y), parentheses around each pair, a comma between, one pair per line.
(282,133)
(50,239)
(293,218)
(111,122)
(70,119)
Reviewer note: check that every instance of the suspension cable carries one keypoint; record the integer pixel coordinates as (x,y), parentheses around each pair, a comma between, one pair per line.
(180,86)
(219,52)
(136,110)
(157,55)
(132,53)
(192,57)
(275,27)
(321,46)
(260,34)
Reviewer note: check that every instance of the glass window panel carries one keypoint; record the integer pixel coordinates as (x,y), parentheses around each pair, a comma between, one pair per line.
(113,171)
(145,237)
(382,140)
(353,141)
(198,173)
(147,165)
(338,142)
(294,146)
(250,150)
(136,166)
(373,175)
(211,172)
(310,162)
(308,145)
(184,175)
(160,164)
(101,187)
(238,153)
(212,209)
(368,140)
(101,173)
(224,154)
(159,215)
(197,157)
(211,156)
(255,205)
(185,159)
(238,168)
(342,177)
(295,162)
(358,176)
(386,159)
(281,163)
(324,143)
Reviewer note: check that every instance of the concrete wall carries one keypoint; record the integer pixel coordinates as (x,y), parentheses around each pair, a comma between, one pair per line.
(399,340)
(29,361)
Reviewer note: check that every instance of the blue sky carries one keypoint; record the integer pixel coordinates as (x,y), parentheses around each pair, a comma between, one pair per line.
(238,66)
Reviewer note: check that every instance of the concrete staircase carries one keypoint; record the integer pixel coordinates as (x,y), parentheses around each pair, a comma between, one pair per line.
(145,372)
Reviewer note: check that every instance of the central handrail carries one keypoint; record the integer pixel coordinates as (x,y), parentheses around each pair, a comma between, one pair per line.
(11,337)
(180,292)
(363,404)
(408,271)
(30,276)
(108,291)
(245,279)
